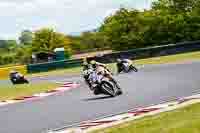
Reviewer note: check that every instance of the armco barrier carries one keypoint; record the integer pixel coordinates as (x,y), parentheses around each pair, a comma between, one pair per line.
(43,67)
(4,72)
(140,53)
(156,51)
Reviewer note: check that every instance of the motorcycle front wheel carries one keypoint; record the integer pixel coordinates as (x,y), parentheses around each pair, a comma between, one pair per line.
(108,88)
(133,68)
(26,81)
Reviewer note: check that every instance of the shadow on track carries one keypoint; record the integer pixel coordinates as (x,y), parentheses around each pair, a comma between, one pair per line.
(97,98)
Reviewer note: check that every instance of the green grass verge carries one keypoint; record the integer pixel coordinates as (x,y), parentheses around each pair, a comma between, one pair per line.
(74,70)
(12,91)
(170,58)
(185,120)
(157,60)
(7,65)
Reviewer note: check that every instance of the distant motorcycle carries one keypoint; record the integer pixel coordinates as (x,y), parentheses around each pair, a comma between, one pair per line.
(101,83)
(125,67)
(17,78)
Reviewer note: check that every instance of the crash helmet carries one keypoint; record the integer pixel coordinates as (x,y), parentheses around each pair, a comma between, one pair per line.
(93,63)
(13,71)
(119,60)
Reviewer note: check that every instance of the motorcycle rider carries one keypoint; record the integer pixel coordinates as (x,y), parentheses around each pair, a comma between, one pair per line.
(87,67)
(14,75)
(120,64)
(105,71)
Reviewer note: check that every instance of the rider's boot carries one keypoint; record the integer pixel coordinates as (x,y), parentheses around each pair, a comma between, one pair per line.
(89,84)
(96,91)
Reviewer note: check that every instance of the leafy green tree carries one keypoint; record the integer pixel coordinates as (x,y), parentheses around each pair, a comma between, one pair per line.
(88,41)
(196,10)
(122,29)
(93,40)
(26,37)
(169,21)
(75,44)
(7,46)
(175,5)
(46,40)
(1,60)
(12,45)
(23,54)
(3,44)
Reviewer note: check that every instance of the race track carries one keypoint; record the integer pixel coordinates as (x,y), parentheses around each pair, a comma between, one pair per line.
(151,85)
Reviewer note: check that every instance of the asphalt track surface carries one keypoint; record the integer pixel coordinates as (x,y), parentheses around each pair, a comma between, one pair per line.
(151,85)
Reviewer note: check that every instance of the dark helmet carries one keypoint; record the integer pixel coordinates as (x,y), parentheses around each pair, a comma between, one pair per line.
(85,65)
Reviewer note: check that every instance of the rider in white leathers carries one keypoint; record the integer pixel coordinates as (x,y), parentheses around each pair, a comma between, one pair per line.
(123,62)
(102,69)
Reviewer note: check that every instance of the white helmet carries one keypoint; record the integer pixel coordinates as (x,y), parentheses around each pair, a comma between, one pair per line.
(119,60)
(13,71)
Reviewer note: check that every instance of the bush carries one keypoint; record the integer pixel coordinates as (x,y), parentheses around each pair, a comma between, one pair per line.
(23,54)
(1,60)
(7,59)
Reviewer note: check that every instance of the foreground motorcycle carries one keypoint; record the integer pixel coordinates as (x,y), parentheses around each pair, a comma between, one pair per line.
(101,82)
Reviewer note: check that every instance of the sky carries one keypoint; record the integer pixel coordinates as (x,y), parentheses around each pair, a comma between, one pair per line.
(66,16)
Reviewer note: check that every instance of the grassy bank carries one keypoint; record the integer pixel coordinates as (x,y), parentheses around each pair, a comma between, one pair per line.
(185,120)
(74,70)
(157,60)
(13,91)
(170,58)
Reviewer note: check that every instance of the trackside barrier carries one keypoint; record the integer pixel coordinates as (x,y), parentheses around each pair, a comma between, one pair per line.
(43,67)
(156,51)
(4,72)
(140,53)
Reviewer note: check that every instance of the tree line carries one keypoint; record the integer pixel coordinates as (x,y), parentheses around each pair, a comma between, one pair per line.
(167,21)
